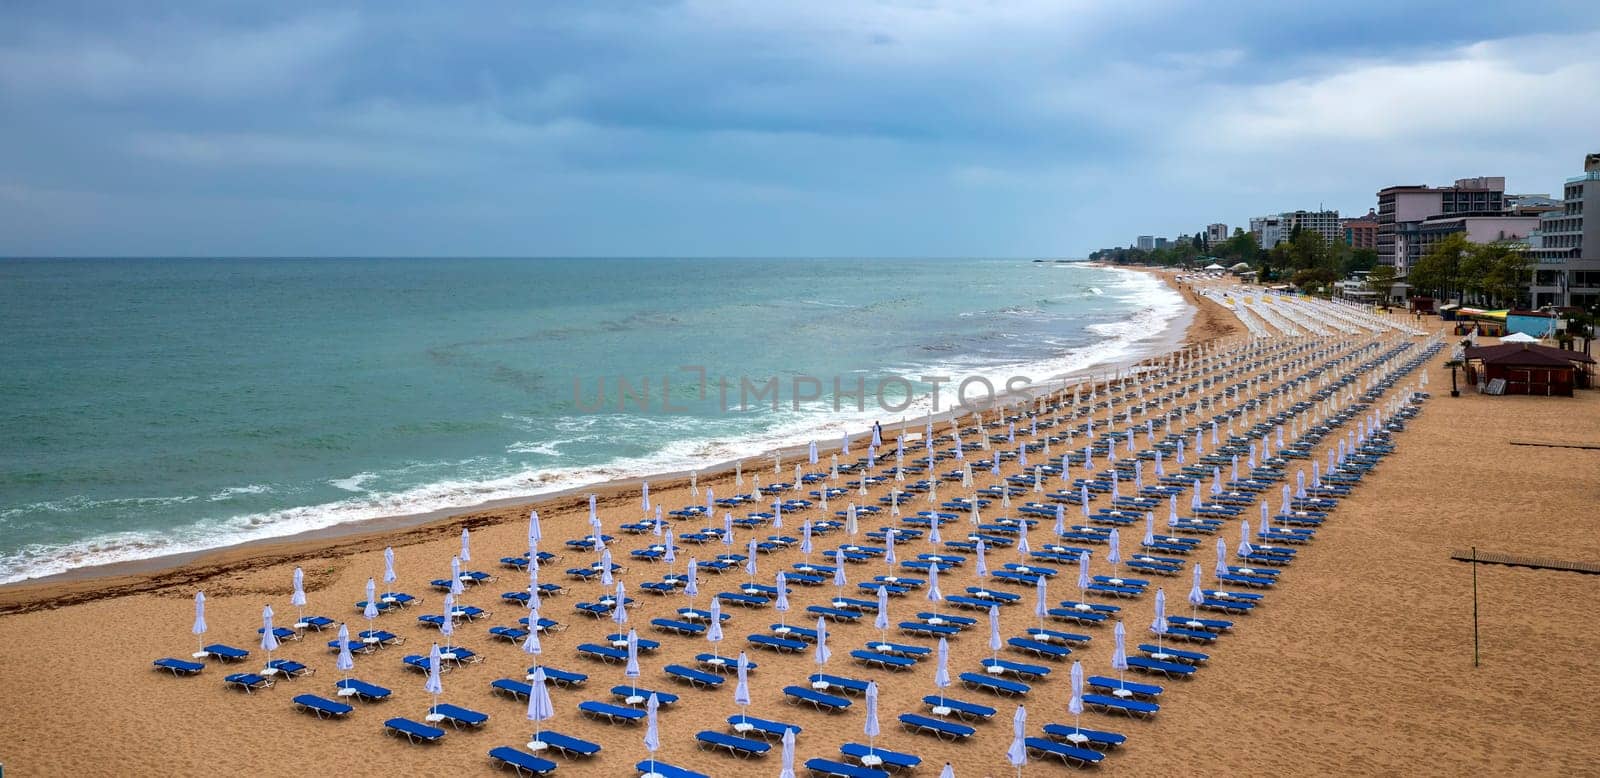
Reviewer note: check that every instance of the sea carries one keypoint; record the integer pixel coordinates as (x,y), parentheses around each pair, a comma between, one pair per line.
(156,406)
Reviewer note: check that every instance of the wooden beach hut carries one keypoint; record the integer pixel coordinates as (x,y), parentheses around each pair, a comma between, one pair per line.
(1527,368)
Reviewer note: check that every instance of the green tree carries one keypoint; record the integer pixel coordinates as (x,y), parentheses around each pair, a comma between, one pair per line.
(1308,250)
(1439,270)
(1360,259)
(1380,281)
(1504,272)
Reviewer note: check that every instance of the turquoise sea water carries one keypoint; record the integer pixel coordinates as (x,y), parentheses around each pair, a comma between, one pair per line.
(154,406)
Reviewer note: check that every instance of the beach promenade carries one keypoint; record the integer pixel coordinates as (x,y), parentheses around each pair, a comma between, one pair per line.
(1359,660)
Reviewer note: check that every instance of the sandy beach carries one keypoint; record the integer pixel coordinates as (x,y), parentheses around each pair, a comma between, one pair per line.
(1361,662)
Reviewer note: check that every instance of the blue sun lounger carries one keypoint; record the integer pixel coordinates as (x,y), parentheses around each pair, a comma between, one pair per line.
(179,666)
(457,716)
(924,629)
(323,708)
(613,714)
(823,682)
(319,623)
(1118,705)
(1039,649)
(419,663)
(676,627)
(1152,665)
(637,695)
(226,653)
(509,634)
(982,682)
(880,758)
(931,617)
(831,769)
(722,664)
(939,728)
(568,745)
(414,731)
(521,761)
(834,614)
(377,637)
(996,666)
(561,678)
(774,643)
(1078,736)
(1170,654)
(824,702)
(1076,616)
(900,649)
(744,748)
(1114,685)
(886,661)
(749,725)
(651,768)
(249,682)
(792,632)
(361,690)
(942,706)
(1072,755)
(516,690)
(605,654)
(1053,636)
(696,678)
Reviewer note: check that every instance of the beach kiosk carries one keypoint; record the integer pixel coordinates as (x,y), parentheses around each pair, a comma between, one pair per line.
(1527,368)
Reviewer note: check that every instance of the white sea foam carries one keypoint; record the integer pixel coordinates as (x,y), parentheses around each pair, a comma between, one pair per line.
(1120,341)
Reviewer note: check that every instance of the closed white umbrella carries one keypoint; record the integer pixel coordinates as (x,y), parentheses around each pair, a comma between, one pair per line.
(1159,626)
(530,644)
(1245,549)
(644,496)
(594,515)
(1075,705)
(941,673)
(466,545)
(670,554)
(345,662)
(714,632)
(805,540)
(1017,754)
(447,627)
(882,619)
(750,560)
(199,628)
(1041,600)
(994,631)
(1083,578)
(1061,519)
(455,576)
(370,612)
(388,566)
(434,686)
(298,599)
(871,726)
(838,571)
(934,595)
(606,578)
(727,527)
(1197,596)
(741,690)
(782,604)
(822,654)
(535,533)
(1119,659)
(934,538)
(788,754)
(539,707)
(652,735)
(269,640)
(948,771)
(983,563)
(1114,555)
(691,580)
(1222,558)
(631,671)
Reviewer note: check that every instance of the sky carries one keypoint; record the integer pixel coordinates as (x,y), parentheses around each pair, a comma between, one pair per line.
(768,128)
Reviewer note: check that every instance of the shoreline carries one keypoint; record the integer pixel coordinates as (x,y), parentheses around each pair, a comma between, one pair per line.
(1201,321)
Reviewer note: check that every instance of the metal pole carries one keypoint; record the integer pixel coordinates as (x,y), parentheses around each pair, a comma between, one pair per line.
(1474,606)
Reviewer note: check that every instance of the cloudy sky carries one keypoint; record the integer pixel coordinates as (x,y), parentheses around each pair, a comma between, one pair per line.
(703,127)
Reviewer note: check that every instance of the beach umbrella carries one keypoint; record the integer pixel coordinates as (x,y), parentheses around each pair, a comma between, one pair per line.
(652,733)
(670,554)
(199,628)
(539,707)
(934,595)
(298,598)
(644,496)
(530,644)
(994,631)
(1222,557)
(889,558)
(345,663)
(447,627)
(1022,544)
(1159,626)
(750,560)
(1018,752)
(844,444)
(711,503)
(658,523)
(1041,602)
(838,570)
(1216,480)
(455,576)
(714,632)
(1066,468)
(370,612)
(788,754)
(1266,518)
(934,538)
(805,540)
(877,435)
(782,605)
(619,609)
(1197,596)
(941,673)
(466,545)
(741,691)
(1075,704)
(631,671)
(1114,553)
(1083,498)
(1149,527)
(1244,540)
(388,566)
(882,619)
(1194,495)
(594,516)
(822,654)
(994,463)
(850,527)
(983,563)
(534,532)
(727,527)
(606,578)
(1116,485)
(812,452)
(1119,657)
(948,771)
(433,685)
(1083,573)
(871,727)
(269,641)
(691,580)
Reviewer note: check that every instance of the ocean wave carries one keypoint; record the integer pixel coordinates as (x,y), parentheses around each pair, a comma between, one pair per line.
(679,443)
